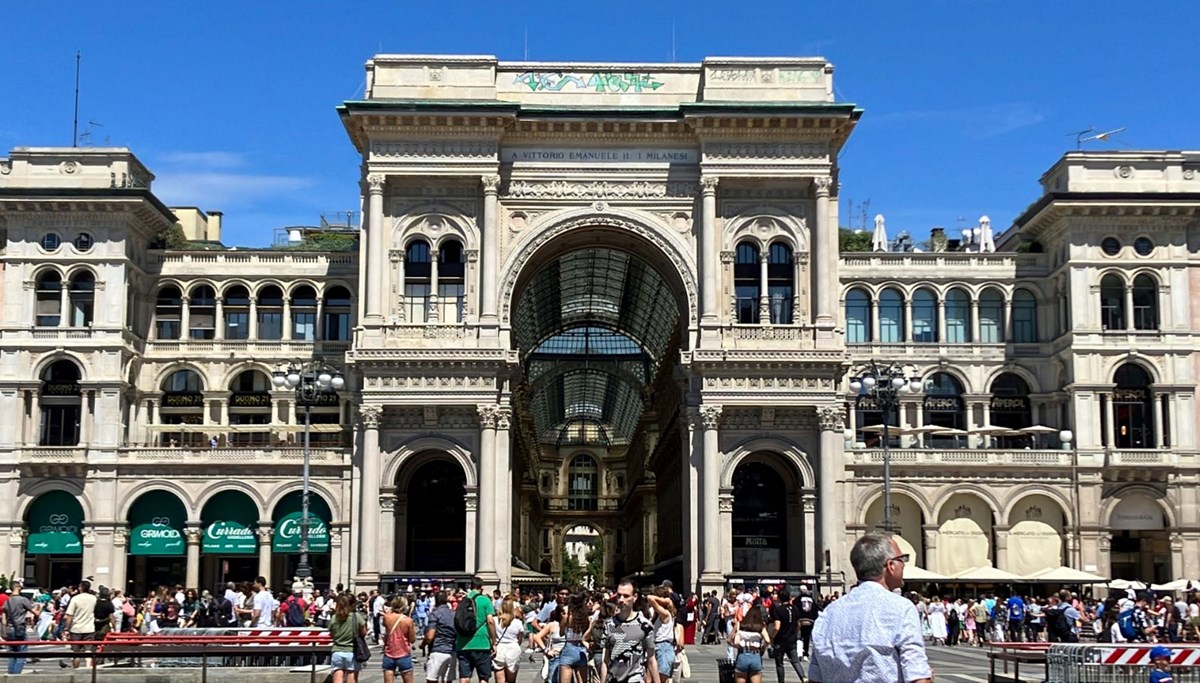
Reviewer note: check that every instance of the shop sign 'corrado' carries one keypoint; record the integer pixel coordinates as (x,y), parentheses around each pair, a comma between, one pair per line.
(229,537)
(287,534)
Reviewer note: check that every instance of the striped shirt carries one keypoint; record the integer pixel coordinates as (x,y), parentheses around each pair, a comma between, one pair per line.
(869,636)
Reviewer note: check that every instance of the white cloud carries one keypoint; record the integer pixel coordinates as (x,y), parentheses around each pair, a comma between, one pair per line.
(983,121)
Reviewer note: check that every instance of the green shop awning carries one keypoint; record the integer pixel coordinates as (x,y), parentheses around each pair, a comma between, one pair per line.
(55,525)
(156,525)
(287,524)
(229,520)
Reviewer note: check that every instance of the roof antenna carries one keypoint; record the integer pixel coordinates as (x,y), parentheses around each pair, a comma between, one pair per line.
(527,42)
(1082,136)
(75,122)
(672,41)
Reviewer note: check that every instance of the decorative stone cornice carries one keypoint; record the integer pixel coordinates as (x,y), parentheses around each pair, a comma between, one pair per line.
(370,413)
(473,150)
(710,415)
(831,418)
(720,151)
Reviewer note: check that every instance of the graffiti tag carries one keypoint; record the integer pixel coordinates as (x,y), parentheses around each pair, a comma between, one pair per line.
(597,81)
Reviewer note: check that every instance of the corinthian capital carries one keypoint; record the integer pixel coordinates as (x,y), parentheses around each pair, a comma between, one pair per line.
(503,417)
(708,184)
(375,183)
(831,418)
(370,413)
(822,185)
(710,415)
(491,183)
(487,415)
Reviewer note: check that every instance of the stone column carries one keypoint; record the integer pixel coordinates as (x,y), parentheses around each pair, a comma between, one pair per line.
(811,562)
(1104,546)
(503,492)
(397,258)
(1129,307)
(219,322)
(489,275)
(931,539)
(833,470)
(265,531)
(708,250)
(287,319)
(1001,547)
(337,559)
(710,568)
(193,535)
(17,537)
(941,320)
(387,531)
(120,557)
(472,506)
(1158,420)
(825,255)
(252,334)
(375,247)
(725,513)
(185,318)
(908,320)
(1176,554)
(1106,404)
(764,301)
(372,467)
(690,478)
(874,318)
(433,311)
(485,560)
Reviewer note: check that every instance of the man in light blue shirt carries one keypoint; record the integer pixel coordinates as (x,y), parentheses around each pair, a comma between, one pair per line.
(871,635)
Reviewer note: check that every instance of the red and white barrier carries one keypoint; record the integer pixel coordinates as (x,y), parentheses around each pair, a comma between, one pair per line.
(1140,656)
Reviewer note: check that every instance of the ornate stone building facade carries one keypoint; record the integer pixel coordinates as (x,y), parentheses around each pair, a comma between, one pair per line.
(597,312)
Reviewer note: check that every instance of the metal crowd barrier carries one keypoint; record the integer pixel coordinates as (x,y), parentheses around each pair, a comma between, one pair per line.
(1117,663)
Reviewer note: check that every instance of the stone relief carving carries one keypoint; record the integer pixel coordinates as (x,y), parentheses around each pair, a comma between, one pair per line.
(370,414)
(488,416)
(491,183)
(831,418)
(375,182)
(764,150)
(710,415)
(822,185)
(708,184)
(481,150)
(503,417)
(561,189)
(725,503)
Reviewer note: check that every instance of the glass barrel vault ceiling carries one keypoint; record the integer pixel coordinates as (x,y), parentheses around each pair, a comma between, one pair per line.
(592,327)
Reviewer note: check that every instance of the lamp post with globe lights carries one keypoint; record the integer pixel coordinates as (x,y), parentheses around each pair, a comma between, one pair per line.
(886,384)
(310,381)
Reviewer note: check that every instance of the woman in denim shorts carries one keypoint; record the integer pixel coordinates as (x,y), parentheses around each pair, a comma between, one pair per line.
(345,625)
(751,640)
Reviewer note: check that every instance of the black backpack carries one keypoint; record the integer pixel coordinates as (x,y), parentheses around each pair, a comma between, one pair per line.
(465,623)
(1059,628)
(205,616)
(295,613)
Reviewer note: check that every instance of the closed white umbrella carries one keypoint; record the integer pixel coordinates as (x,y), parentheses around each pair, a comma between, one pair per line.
(879,240)
(987,241)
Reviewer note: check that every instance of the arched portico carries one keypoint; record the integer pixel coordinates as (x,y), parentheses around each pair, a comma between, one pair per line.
(430,516)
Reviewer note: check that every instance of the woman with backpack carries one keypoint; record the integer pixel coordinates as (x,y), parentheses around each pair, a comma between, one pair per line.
(347,624)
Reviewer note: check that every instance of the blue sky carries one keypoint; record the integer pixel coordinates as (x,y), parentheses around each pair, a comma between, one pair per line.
(231,104)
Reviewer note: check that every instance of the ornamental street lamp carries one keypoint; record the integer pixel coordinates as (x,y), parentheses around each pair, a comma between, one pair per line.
(311,381)
(885,385)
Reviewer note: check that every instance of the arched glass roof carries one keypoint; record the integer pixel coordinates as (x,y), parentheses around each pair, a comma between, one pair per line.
(592,326)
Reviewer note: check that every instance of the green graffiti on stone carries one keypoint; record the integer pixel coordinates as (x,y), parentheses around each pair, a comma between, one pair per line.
(597,81)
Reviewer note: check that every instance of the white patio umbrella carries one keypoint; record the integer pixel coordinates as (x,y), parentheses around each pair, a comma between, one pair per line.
(1177,585)
(1064,575)
(1036,432)
(950,431)
(1125,584)
(914,573)
(986,575)
(993,430)
(879,240)
(893,430)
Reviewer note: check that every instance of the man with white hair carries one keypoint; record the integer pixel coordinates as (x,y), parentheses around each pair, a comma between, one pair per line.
(872,634)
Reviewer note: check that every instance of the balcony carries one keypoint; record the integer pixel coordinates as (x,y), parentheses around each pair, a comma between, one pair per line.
(770,336)
(560,504)
(52,455)
(244,347)
(233,456)
(942,265)
(1141,457)
(961,456)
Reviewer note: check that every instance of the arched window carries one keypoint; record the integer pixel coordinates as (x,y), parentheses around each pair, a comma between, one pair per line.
(49,299)
(958,317)
(944,408)
(1145,303)
(202,312)
(418,270)
(237,313)
(991,316)
(1024,317)
(891,316)
(858,317)
(1112,302)
(583,483)
(270,312)
(1010,408)
(182,404)
(746,282)
(451,282)
(250,404)
(82,298)
(781,270)
(168,313)
(61,404)
(1133,408)
(337,311)
(759,524)
(304,313)
(924,316)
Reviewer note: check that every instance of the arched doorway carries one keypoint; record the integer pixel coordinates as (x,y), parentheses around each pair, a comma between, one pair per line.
(54,540)
(1141,545)
(583,556)
(964,539)
(1035,535)
(760,519)
(908,522)
(157,552)
(229,548)
(285,542)
(61,403)
(436,518)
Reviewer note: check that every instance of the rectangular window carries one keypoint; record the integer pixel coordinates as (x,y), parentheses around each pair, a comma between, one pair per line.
(1024,330)
(304,326)
(780,300)
(451,303)
(989,327)
(48,313)
(747,304)
(416,298)
(957,331)
(204,324)
(270,325)
(337,326)
(169,329)
(237,325)
(924,323)
(891,325)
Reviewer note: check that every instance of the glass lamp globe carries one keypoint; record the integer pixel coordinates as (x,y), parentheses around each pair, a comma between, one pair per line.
(293,378)
(338,381)
(279,380)
(324,379)
(914,385)
(898,382)
(856,385)
(868,382)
